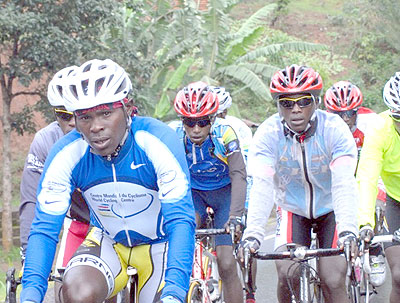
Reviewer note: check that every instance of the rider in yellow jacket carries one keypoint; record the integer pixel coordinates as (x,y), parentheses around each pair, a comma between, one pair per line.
(380,156)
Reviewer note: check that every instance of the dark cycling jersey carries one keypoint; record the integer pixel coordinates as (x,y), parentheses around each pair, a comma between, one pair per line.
(142,196)
(34,163)
(217,162)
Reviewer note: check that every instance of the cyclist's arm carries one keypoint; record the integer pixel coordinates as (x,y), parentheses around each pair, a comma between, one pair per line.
(343,149)
(53,201)
(237,173)
(344,193)
(33,169)
(261,168)
(368,172)
(237,170)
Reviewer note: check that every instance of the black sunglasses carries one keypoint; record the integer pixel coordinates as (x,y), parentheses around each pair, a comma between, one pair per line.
(347,113)
(63,114)
(301,102)
(192,123)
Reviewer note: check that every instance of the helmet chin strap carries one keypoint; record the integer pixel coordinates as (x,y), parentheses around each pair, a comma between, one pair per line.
(128,120)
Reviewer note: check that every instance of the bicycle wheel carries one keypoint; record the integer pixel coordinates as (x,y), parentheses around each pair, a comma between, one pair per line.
(212,274)
(11,289)
(195,293)
(354,293)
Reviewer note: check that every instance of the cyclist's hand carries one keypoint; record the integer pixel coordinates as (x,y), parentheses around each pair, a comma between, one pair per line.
(235,227)
(169,299)
(366,233)
(348,238)
(252,244)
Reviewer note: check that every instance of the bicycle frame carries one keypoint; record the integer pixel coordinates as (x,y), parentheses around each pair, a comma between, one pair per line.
(205,269)
(366,289)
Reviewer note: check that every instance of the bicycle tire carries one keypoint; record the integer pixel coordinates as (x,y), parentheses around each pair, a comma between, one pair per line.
(354,293)
(210,265)
(195,293)
(11,290)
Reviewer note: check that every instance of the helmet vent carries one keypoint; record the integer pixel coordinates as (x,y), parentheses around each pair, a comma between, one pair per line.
(73,90)
(292,70)
(97,85)
(84,85)
(87,68)
(59,89)
(121,87)
(315,82)
(302,81)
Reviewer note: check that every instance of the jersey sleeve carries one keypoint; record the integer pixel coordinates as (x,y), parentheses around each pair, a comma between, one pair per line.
(343,165)
(53,201)
(33,168)
(261,167)
(368,171)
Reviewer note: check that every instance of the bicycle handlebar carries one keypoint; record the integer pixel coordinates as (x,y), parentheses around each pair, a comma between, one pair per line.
(300,253)
(211,232)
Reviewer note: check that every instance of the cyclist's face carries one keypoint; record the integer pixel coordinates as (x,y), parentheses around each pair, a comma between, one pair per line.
(103,129)
(65,119)
(349,116)
(197,129)
(298,116)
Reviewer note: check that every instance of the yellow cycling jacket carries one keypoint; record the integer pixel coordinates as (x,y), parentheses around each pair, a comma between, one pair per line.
(380,156)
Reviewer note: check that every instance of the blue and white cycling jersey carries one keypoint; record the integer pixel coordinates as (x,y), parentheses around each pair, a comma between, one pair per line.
(141,196)
(208,162)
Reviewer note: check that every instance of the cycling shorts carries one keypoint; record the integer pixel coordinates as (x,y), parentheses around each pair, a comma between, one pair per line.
(292,228)
(392,214)
(112,259)
(74,233)
(220,201)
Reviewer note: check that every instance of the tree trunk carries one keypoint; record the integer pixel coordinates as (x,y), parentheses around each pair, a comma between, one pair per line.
(6,222)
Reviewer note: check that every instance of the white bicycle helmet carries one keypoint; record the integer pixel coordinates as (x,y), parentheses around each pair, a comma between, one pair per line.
(55,90)
(96,82)
(391,93)
(224,98)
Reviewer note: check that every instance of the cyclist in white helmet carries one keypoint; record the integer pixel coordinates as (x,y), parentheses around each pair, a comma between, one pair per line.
(380,156)
(76,223)
(133,175)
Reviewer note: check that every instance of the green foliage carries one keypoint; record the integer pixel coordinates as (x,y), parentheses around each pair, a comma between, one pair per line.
(244,58)
(152,41)
(165,48)
(376,46)
(41,37)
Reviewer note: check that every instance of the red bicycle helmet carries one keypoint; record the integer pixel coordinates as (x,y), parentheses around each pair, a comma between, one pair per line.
(196,100)
(295,79)
(343,96)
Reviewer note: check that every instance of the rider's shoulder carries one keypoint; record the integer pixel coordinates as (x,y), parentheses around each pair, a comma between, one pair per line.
(150,125)
(50,133)
(175,124)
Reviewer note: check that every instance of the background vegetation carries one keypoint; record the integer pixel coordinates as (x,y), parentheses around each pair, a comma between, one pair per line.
(238,44)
